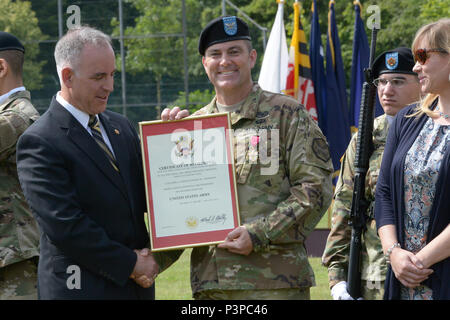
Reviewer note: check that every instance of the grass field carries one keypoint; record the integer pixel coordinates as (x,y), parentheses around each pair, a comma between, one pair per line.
(174,283)
(325,222)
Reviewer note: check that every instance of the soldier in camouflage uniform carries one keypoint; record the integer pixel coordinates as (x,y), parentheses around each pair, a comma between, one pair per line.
(19,235)
(397,87)
(283,172)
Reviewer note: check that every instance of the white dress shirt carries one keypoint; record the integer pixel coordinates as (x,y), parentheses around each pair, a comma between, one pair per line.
(83,118)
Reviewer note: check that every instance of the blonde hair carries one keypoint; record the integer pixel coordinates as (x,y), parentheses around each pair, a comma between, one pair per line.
(437,35)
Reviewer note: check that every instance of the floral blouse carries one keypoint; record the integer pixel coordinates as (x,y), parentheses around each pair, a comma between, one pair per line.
(422,165)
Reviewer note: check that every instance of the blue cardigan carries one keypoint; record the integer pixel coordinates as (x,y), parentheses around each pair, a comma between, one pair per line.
(390,203)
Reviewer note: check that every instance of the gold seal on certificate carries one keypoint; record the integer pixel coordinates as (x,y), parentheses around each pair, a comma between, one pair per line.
(192,222)
(190,181)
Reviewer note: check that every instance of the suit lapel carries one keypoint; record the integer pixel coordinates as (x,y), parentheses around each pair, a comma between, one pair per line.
(83,140)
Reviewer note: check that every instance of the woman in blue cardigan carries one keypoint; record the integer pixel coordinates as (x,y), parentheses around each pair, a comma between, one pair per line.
(412,207)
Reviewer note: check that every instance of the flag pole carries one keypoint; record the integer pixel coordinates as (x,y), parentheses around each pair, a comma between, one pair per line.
(274,67)
(296,58)
(281,31)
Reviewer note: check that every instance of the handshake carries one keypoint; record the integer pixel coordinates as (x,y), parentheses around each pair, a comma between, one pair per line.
(146,269)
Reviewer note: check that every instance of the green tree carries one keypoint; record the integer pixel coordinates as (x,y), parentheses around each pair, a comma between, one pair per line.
(157,46)
(161,57)
(12,20)
(433,10)
(197,99)
(400,19)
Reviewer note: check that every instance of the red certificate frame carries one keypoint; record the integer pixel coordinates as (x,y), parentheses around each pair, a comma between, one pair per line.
(190,202)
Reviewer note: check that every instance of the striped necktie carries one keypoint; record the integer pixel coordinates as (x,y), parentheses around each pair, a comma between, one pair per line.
(97,135)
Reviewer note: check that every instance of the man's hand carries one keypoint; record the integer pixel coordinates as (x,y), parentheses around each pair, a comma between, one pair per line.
(146,269)
(175,114)
(238,241)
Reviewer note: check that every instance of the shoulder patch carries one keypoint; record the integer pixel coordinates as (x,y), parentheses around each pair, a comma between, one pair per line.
(320,149)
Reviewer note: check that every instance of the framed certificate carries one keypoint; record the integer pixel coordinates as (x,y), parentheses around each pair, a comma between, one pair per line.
(189,180)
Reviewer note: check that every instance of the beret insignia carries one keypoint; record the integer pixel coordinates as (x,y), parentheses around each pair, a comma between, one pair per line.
(392,60)
(230,25)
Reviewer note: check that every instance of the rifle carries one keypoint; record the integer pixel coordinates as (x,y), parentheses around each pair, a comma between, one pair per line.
(364,149)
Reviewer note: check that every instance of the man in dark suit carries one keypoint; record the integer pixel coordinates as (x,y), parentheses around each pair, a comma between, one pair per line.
(81,172)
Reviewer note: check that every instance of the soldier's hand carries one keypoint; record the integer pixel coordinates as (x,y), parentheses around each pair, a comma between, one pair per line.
(339,291)
(173,114)
(238,241)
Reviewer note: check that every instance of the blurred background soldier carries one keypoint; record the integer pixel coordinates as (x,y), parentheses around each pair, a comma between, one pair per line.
(19,235)
(280,200)
(397,86)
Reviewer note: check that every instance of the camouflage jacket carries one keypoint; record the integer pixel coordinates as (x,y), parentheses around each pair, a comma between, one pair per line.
(337,249)
(19,235)
(283,172)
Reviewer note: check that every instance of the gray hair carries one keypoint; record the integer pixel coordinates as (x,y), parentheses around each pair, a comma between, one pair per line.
(68,48)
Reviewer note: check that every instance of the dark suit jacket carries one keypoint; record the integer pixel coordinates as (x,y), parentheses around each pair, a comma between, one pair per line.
(90,215)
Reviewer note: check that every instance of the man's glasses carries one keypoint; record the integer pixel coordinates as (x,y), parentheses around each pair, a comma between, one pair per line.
(395,82)
(422,55)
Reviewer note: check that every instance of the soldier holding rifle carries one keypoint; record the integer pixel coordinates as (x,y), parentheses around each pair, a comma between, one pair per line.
(397,86)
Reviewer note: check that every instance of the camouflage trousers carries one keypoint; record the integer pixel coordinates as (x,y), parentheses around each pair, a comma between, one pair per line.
(372,290)
(18,281)
(271,294)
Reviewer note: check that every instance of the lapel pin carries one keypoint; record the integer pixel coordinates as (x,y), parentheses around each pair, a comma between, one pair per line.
(116,131)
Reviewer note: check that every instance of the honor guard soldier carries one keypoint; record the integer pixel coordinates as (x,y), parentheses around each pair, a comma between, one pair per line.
(397,86)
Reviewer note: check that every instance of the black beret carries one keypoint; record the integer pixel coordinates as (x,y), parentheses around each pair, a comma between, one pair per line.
(222,29)
(10,42)
(399,60)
